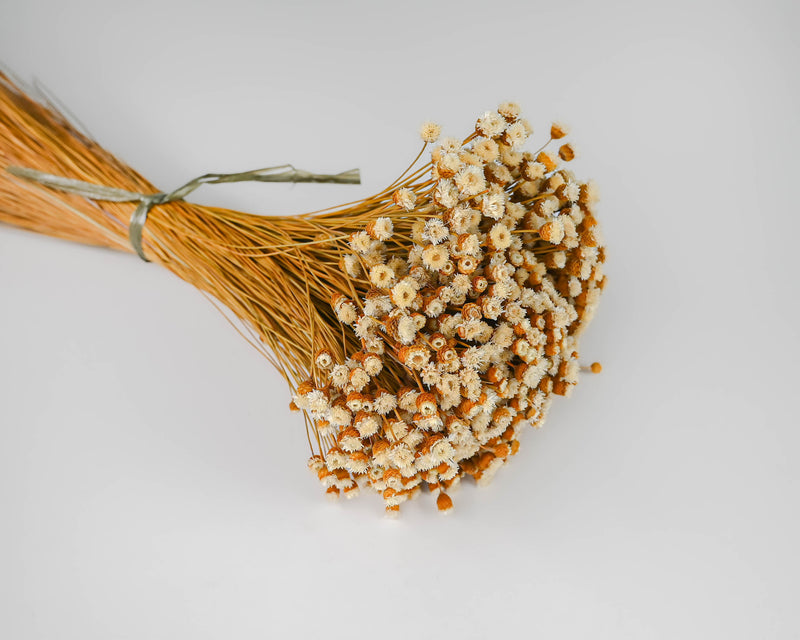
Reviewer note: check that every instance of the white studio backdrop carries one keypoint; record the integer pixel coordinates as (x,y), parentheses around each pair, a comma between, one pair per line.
(152,478)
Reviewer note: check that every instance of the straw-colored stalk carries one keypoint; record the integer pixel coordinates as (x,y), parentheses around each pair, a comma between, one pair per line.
(418,329)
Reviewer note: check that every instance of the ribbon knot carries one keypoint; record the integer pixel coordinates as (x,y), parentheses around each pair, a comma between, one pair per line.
(283,173)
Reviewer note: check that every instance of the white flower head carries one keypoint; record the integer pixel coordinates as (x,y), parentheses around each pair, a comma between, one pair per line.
(470,181)
(493,205)
(346,311)
(460,219)
(549,205)
(430,374)
(373,364)
(429,132)
(384,403)
(472,358)
(358,378)
(572,191)
(406,330)
(404,292)
(405,199)
(552,231)
(381,228)
(324,359)
(365,327)
(352,266)
(509,110)
(435,256)
(461,283)
(435,231)
(486,149)
(491,124)
(361,242)
(340,416)
(449,163)
(515,135)
(446,193)
(509,157)
(434,307)
(515,314)
(339,375)
(449,144)
(500,237)
(469,244)
(381,276)
(442,450)
(367,425)
(377,306)
(535,170)
(492,307)
(401,455)
(408,400)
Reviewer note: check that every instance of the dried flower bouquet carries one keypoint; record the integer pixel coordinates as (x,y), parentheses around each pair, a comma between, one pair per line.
(419,329)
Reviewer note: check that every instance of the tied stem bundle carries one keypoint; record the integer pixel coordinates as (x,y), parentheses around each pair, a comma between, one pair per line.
(418,330)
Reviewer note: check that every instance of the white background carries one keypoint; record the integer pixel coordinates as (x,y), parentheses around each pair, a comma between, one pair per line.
(152,480)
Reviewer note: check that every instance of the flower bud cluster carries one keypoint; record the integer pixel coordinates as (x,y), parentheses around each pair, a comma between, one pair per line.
(469,320)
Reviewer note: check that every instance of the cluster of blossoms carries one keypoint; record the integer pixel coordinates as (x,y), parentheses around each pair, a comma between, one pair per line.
(476,283)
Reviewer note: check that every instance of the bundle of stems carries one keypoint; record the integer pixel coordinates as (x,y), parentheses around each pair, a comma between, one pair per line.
(418,329)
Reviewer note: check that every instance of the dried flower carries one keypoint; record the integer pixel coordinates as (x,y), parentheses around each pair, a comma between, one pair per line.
(470,181)
(499,237)
(435,256)
(486,149)
(421,327)
(429,132)
(509,110)
(381,276)
(404,293)
(558,130)
(491,124)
